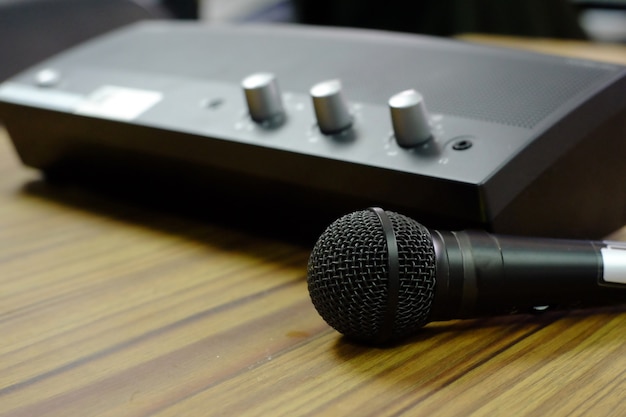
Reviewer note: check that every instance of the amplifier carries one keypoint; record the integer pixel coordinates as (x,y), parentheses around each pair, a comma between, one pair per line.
(307,123)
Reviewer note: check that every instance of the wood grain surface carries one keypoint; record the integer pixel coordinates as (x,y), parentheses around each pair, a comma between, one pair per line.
(110,308)
(606,52)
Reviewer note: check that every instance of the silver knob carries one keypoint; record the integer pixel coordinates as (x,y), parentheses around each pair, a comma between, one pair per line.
(409,118)
(263,97)
(331,109)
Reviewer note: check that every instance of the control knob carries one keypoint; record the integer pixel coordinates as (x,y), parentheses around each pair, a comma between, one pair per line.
(331,109)
(263,96)
(409,118)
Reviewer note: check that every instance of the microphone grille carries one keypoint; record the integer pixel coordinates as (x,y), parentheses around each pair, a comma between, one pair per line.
(348,275)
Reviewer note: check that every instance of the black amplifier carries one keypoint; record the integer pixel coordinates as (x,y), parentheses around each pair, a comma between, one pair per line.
(310,123)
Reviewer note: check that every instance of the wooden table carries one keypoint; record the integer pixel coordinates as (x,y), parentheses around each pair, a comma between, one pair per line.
(110,308)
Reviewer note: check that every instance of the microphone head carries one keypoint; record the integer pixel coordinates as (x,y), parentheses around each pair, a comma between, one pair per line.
(365,290)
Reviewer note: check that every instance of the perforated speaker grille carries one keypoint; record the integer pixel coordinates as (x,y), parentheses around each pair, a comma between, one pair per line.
(497,85)
(506,88)
(511,88)
(511,92)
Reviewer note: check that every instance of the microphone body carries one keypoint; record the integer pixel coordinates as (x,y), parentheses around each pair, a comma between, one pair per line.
(481,274)
(378,276)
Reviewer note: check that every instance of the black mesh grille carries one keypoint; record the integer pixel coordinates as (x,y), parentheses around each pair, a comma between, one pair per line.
(348,273)
(417,274)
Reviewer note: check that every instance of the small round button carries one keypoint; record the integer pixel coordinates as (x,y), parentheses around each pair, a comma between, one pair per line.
(263,97)
(409,118)
(331,109)
(47,77)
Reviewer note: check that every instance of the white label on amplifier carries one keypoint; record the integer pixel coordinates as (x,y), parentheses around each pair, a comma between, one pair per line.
(118,103)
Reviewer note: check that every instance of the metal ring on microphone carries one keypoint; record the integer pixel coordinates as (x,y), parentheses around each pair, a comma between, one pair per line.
(393,280)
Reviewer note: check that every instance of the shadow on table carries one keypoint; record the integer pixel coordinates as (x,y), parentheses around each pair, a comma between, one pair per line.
(176,213)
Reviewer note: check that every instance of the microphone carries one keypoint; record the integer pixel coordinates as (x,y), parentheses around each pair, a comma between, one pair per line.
(377,276)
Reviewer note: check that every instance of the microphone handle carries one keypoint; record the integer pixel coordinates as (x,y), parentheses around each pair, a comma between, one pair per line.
(480,274)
